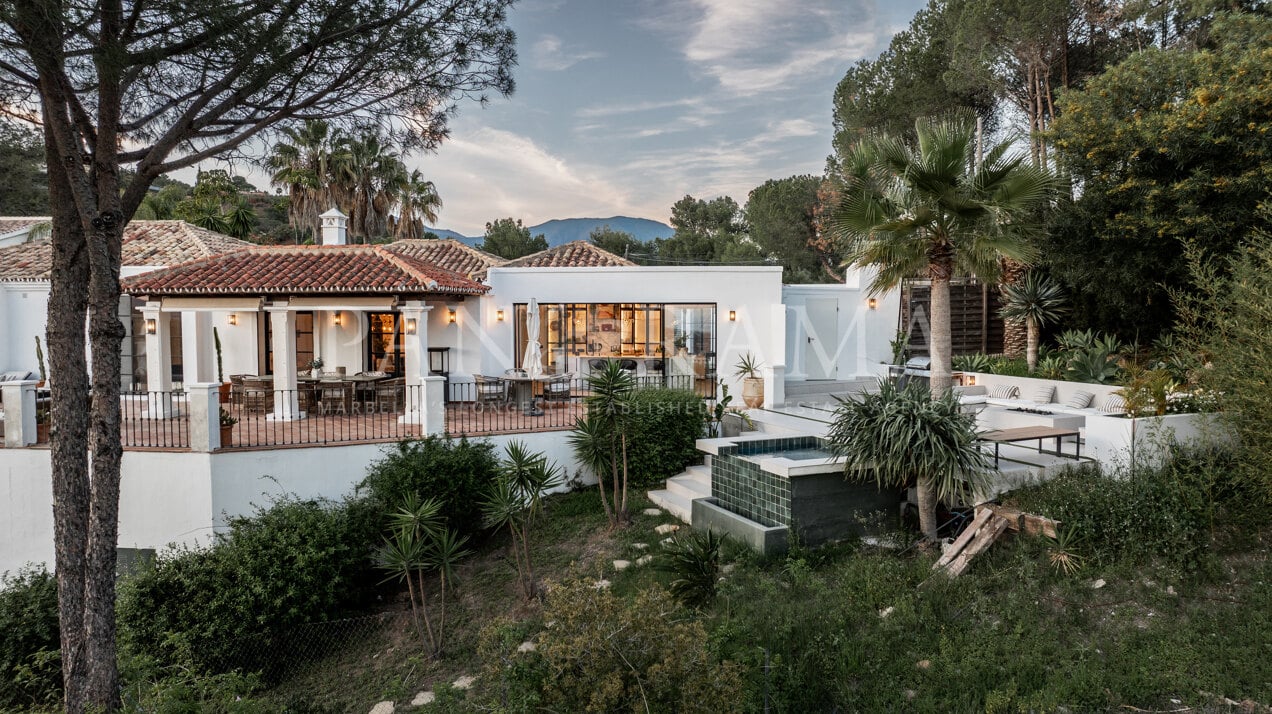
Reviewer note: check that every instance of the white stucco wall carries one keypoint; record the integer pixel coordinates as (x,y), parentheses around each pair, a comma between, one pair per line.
(184,498)
(863,335)
(753,292)
(23,313)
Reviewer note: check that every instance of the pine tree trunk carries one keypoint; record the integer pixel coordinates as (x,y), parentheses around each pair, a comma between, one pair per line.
(106,333)
(927,507)
(68,375)
(940,342)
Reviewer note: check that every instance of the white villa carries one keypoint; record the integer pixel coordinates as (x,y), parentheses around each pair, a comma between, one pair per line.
(414,337)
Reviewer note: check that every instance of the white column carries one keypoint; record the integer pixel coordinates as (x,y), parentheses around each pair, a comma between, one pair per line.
(205,416)
(433,415)
(415,347)
(774,386)
(282,327)
(198,354)
(158,362)
(19,414)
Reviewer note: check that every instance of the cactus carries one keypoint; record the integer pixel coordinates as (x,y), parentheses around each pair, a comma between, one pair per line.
(216,340)
(39,356)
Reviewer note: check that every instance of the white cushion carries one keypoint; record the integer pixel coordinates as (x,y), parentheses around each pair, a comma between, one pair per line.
(1004,391)
(1080,400)
(1044,394)
(1115,404)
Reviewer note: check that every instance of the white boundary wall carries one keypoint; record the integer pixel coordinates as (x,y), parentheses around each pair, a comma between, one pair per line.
(185,498)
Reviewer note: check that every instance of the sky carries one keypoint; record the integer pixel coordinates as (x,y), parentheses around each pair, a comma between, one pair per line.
(623,107)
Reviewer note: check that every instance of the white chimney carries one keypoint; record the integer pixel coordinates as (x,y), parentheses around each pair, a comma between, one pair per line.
(334,227)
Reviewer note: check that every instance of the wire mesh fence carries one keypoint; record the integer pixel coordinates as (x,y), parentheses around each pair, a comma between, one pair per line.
(277,656)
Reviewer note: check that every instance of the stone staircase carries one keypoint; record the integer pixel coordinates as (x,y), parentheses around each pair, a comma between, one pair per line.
(680,492)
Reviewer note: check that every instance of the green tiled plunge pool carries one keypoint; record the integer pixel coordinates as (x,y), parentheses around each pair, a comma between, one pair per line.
(762,487)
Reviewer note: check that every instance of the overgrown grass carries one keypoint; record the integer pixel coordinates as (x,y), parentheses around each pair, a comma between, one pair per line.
(1013,634)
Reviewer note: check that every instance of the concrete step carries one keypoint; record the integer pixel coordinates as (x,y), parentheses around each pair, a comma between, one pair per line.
(795,390)
(697,473)
(689,487)
(673,503)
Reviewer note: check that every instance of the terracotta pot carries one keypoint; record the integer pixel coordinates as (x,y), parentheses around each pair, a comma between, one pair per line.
(753,392)
(41,433)
(226,387)
(227,435)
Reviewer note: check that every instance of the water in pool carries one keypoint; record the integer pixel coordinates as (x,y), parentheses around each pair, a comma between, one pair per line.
(799,454)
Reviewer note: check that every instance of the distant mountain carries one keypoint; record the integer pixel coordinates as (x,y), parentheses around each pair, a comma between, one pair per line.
(443,233)
(564,230)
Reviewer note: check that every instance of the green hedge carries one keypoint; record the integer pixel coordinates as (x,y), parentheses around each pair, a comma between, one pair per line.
(295,562)
(665,425)
(30,668)
(457,472)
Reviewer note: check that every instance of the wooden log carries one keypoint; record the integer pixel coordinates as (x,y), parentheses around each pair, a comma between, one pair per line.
(985,538)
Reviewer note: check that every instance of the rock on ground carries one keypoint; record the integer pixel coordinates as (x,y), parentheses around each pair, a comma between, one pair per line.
(382,708)
(423,698)
(464,682)
(652,512)
(621,565)
(666,528)
(527,646)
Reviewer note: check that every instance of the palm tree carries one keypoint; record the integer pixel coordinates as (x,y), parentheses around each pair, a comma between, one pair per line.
(303,163)
(907,434)
(925,210)
(600,438)
(369,178)
(418,202)
(515,500)
(1035,301)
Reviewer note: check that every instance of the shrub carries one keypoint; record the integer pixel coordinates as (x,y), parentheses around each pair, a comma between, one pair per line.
(665,425)
(694,560)
(30,668)
(295,562)
(603,653)
(1147,513)
(456,473)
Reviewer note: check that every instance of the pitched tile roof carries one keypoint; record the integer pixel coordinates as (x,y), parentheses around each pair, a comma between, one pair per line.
(448,253)
(12,224)
(149,243)
(576,254)
(304,270)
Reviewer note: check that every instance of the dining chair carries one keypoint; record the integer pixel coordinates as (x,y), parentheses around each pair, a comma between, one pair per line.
(558,388)
(390,395)
(491,389)
(334,397)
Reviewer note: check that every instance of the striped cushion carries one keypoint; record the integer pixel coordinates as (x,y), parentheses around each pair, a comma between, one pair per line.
(1080,400)
(1044,394)
(1115,404)
(1005,391)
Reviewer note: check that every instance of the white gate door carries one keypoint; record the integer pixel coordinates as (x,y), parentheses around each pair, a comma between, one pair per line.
(821,338)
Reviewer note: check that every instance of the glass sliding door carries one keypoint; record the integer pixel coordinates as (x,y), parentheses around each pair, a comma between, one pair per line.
(385,352)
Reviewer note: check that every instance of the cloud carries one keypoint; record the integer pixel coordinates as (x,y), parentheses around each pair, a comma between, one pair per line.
(794,127)
(756,46)
(549,54)
(487,173)
(610,110)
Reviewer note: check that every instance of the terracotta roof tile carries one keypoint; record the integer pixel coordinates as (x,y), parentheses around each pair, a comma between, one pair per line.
(12,224)
(146,243)
(449,254)
(576,254)
(304,270)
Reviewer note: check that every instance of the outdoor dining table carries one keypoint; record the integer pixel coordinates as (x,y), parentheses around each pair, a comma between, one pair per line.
(361,383)
(523,391)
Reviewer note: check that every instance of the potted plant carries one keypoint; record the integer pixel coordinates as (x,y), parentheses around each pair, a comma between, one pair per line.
(42,423)
(315,367)
(227,427)
(220,371)
(39,357)
(748,368)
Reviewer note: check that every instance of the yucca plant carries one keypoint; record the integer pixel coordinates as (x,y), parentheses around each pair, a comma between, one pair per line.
(515,500)
(902,435)
(1035,301)
(1061,551)
(599,439)
(694,560)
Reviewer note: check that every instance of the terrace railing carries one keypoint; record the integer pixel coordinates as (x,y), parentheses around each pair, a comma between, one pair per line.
(335,413)
(508,406)
(154,420)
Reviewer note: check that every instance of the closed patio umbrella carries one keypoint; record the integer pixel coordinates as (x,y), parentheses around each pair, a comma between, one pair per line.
(531,362)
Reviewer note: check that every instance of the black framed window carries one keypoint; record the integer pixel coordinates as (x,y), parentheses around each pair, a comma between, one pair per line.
(304,342)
